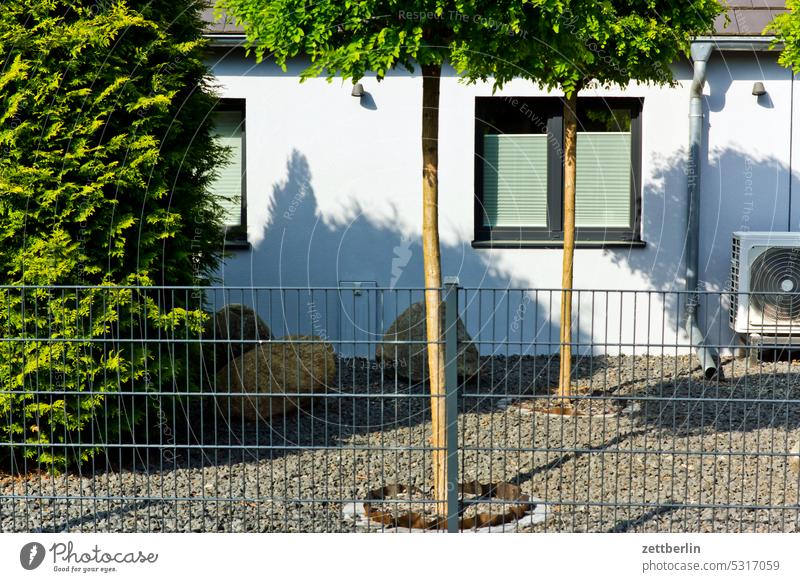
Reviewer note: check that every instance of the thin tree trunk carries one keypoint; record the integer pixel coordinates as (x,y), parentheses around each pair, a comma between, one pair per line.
(433,278)
(570,141)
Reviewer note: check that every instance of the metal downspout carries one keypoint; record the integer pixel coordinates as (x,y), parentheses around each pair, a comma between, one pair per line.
(707,356)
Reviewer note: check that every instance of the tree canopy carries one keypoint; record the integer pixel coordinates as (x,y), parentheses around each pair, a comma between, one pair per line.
(786,28)
(558,44)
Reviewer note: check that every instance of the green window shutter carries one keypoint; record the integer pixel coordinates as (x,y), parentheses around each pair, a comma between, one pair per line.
(515,180)
(228,183)
(603,189)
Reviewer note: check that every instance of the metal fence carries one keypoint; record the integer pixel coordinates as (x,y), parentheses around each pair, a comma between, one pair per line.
(139,409)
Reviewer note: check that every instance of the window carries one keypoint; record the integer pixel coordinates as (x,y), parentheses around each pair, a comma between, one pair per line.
(229,185)
(519,186)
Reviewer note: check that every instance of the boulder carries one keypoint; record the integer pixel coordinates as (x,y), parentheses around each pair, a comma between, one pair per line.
(411,359)
(794,460)
(285,371)
(234,323)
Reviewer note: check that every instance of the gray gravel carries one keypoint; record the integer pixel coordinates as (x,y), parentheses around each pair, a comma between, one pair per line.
(675,453)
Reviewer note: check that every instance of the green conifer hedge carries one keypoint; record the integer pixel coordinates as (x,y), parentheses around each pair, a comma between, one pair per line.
(106,154)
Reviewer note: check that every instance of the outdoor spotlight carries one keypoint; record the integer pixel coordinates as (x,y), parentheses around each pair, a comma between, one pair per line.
(358,90)
(758,89)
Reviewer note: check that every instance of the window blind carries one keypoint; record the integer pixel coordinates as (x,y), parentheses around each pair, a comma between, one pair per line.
(228,183)
(515,180)
(603,188)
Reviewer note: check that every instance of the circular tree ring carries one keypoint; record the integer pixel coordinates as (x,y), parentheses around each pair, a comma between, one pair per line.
(520,505)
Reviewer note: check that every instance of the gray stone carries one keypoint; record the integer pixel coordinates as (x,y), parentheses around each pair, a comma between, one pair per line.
(234,323)
(411,359)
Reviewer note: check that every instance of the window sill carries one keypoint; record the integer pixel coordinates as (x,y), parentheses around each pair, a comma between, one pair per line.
(551,244)
(237,245)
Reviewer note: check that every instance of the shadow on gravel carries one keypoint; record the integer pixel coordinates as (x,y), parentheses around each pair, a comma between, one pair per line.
(656,512)
(94,517)
(362,402)
(670,393)
(748,400)
(573,455)
(367,399)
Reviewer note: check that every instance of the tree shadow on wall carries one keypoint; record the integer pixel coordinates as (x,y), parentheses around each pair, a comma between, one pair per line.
(378,267)
(739,192)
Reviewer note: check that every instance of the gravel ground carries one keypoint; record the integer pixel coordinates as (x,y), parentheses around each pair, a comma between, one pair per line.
(662,450)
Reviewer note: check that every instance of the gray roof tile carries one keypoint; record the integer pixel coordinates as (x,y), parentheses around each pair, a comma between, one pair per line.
(747,18)
(728,26)
(223,25)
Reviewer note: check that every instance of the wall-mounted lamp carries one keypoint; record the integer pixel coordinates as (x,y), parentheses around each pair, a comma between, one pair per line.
(358,90)
(758,89)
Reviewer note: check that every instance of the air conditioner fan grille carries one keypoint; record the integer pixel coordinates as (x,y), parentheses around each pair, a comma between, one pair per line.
(775,285)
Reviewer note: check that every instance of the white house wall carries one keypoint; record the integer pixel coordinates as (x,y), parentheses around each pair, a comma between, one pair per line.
(333,198)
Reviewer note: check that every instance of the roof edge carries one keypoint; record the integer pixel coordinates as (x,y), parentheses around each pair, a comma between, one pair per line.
(742,43)
(722,43)
(225,39)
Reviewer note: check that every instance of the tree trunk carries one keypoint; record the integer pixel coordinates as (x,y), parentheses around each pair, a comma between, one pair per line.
(433,278)
(570,141)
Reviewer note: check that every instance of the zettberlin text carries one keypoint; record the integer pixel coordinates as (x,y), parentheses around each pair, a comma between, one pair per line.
(671,549)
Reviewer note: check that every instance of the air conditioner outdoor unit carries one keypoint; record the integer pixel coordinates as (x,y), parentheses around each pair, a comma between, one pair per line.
(765,284)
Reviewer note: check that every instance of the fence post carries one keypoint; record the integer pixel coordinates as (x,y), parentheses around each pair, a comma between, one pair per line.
(451,398)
